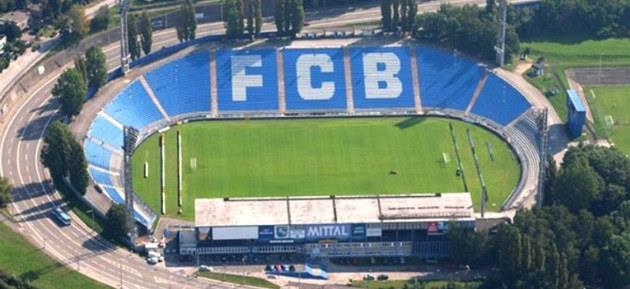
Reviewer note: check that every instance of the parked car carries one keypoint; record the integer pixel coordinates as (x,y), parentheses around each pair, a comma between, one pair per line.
(382,277)
(205,268)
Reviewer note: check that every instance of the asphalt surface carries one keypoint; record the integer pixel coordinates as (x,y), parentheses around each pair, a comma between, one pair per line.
(77,246)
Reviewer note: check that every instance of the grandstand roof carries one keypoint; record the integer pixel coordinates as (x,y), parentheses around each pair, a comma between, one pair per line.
(230,212)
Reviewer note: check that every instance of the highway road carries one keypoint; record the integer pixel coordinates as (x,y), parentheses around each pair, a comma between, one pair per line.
(77,246)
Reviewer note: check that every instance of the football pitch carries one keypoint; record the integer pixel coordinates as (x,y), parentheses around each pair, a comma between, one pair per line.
(302,157)
(609,105)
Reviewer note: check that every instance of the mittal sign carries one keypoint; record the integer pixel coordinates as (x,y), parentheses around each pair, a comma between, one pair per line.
(338,232)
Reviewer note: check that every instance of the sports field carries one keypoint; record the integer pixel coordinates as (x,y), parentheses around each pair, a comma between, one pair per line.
(609,105)
(321,157)
(562,53)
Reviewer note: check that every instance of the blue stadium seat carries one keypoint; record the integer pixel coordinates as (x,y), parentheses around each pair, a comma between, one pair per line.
(371,89)
(100,177)
(257,69)
(326,75)
(118,197)
(103,130)
(446,80)
(96,154)
(133,107)
(500,102)
(183,86)
(115,195)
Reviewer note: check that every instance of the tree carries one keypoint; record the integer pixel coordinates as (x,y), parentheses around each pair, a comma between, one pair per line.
(491,7)
(412,12)
(11,31)
(71,91)
(386,14)
(232,16)
(249,15)
(398,15)
(576,186)
(258,17)
(101,20)
(96,67)
(549,177)
(289,17)
(81,67)
(55,150)
(508,243)
(74,26)
(77,167)
(279,15)
(146,33)
(616,261)
(5,192)
(116,222)
(132,37)
(297,17)
(467,246)
(186,25)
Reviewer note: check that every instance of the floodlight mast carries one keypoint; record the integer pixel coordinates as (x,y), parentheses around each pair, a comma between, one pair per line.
(130,138)
(124,50)
(502,27)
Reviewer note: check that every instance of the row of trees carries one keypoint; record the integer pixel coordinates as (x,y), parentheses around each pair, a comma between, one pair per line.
(579,238)
(139,35)
(241,14)
(601,18)
(72,86)
(468,28)
(473,30)
(62,154)
(64,157)
(399,15)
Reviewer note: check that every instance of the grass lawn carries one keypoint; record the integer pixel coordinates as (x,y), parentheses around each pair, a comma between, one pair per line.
(321,157)
(410,284)
(564,53)
(238,279)
(19,258)
(611,103)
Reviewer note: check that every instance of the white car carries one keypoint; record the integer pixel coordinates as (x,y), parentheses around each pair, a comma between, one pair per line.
(205,268)
(152,260)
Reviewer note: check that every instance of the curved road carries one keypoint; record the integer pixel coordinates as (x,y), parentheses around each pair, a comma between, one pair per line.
(34,195)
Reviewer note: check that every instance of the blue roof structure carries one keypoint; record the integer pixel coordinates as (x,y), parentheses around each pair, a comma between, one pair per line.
(575,100)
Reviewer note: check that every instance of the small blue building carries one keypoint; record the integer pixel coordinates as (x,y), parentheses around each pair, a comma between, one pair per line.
(577,114)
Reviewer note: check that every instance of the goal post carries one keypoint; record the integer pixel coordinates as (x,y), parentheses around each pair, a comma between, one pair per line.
(163,173)
(180,192)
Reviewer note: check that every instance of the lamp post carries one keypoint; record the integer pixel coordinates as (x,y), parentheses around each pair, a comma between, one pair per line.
(91,212)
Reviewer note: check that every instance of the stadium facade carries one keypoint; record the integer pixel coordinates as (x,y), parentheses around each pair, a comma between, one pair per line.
(328,227)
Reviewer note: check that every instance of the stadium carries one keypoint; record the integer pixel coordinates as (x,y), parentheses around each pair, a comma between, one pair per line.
(231,137)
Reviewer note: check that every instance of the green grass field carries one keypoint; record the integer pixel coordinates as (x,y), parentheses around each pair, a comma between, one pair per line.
(321,157)
(609,105)
(21,259)
(564,53)
(410,284)
(238,279)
